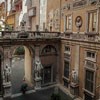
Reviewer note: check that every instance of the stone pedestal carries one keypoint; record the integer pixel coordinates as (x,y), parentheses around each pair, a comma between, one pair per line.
(38,83)
(74,89)
(7,90)
(1,98)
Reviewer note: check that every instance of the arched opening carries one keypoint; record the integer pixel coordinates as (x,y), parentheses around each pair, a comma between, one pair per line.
(49,62)
(21,68)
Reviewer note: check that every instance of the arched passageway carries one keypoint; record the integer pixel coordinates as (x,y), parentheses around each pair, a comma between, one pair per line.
(22,58)
(24,66)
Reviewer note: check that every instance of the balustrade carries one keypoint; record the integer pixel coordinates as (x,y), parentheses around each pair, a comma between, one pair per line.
(92,37)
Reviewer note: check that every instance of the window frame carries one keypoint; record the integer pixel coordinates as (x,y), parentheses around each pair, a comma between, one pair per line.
(43,73)
(90,58)
(87,20)
(92,92)
(67,69)
(67,51)
(66,28)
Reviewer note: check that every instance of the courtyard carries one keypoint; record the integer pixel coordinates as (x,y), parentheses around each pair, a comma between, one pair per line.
(42,95)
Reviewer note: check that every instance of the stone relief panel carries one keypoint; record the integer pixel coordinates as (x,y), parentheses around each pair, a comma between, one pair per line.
(56,20)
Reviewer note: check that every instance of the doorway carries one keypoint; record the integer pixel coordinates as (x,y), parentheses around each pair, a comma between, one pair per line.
(47,74)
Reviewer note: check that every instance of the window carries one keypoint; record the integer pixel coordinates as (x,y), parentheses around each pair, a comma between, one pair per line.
(92,18)
(89,80)
(90,54)
(68,23)
(49,49)
(46,74)
(66,69)
(67,49)
(66,83)
(18,6)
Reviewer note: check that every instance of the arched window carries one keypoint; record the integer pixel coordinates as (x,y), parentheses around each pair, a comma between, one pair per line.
(49,49)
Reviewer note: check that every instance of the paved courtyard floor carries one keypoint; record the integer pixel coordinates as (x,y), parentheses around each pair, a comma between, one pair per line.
(42,95)
(17,80)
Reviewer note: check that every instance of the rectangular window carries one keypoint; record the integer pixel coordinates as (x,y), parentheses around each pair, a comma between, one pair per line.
(66,83)
(92,24)
(67,49)
(89,80)
(68,23)
(46,74)
(91,55)
(66,69)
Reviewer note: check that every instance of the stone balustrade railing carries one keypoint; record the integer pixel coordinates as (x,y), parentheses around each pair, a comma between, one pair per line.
(92,37)
(28,34)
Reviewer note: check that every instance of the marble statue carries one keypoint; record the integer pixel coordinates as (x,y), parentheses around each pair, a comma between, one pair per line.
(38,67)
(74,75)
(56,90)
(7,73)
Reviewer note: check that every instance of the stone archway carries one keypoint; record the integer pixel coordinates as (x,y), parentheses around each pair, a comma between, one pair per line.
(27,64)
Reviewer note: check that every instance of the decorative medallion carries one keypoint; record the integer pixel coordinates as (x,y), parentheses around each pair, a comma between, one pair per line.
(78,21)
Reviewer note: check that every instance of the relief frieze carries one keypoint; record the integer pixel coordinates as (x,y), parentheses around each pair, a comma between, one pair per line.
(79,3)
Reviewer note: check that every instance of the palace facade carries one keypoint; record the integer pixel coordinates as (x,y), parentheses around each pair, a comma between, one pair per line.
(79,23)
(76,63)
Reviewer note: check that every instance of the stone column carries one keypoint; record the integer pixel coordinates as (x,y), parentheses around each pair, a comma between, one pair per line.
(7,72)
(37,69)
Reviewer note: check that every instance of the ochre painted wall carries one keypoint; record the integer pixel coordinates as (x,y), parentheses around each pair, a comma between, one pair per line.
(52,5)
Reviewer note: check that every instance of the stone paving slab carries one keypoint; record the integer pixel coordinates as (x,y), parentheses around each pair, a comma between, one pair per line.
(41,95)
(38,95)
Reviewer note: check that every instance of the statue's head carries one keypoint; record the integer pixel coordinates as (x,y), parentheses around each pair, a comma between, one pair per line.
(6,65)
